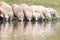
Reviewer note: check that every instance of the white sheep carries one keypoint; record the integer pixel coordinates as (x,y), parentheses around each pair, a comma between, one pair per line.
(53,12)
(18,11)
(8,8)
(35,12)
(27,11)
(3,13)
(40,8)
(45,12)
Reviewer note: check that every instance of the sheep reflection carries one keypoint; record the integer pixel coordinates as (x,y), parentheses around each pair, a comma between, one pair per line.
(6,29)
(18,28)
(40,29)
(28,28)
(21,29)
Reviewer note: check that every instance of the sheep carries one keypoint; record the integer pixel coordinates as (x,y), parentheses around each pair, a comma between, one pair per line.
(18,11)
(53,12)
(27,11)
(35,12)
(8,8)
(3,13)
(45,12)
(41,12)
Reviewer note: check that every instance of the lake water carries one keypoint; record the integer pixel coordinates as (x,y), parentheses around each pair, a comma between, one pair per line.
(18,30)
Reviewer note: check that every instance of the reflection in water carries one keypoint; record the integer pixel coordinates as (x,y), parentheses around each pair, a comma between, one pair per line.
(6,29)
(43,29)
(26,30)
(18,28)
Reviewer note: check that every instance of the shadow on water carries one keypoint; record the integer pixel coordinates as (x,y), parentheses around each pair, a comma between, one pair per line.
(18,30)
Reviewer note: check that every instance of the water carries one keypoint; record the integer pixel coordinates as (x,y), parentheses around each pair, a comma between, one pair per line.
(18,30)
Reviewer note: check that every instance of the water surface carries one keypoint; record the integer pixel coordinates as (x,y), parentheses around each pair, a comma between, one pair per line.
(30,31)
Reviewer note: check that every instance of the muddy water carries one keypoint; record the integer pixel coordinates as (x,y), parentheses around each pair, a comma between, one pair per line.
(18,30)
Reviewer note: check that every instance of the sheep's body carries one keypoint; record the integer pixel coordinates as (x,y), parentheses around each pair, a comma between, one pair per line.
(8,8)
(41,8)
(53,12)
(18,11)
(27,11)
(3,13)
(45,12)
(35,12)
